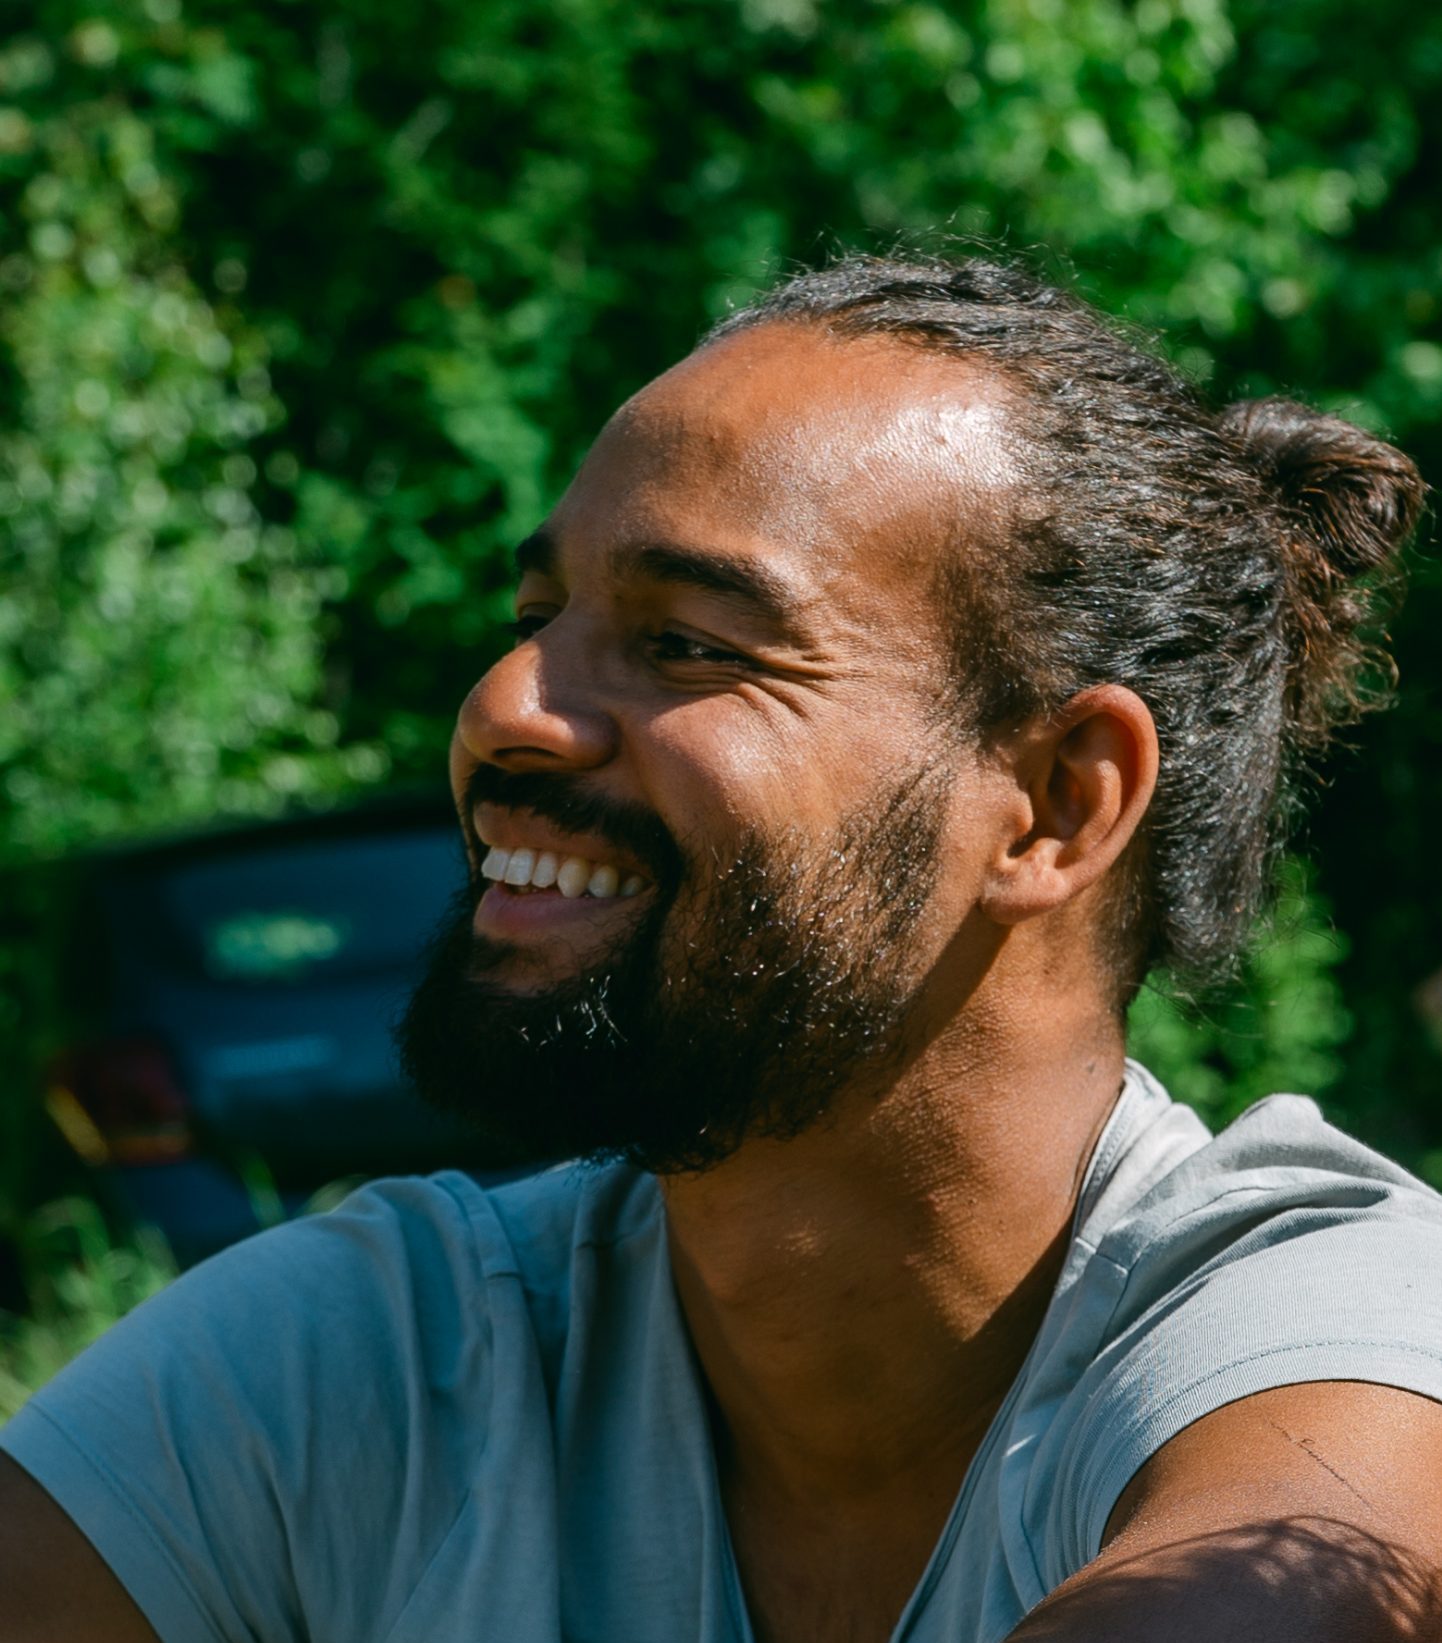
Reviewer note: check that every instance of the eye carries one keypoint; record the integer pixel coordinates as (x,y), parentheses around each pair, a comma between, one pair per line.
(677,647)
(527,625)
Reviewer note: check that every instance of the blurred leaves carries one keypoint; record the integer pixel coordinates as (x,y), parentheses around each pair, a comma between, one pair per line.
(159,648)
(1282,1028)
(82,1281)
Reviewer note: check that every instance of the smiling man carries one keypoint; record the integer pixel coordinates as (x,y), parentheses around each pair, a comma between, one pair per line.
(902,676)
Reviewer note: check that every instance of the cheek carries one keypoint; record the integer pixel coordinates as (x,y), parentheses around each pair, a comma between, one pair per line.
(711,764)
(461,764)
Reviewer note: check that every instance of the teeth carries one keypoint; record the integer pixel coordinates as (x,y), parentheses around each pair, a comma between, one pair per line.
(574,876)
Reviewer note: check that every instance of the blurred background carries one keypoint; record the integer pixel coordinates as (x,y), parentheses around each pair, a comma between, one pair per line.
(306,313)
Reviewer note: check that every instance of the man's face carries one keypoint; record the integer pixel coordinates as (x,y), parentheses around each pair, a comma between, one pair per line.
(724,826)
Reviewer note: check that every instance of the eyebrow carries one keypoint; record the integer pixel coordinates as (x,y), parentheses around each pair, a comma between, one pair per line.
(676,566)
(537,553)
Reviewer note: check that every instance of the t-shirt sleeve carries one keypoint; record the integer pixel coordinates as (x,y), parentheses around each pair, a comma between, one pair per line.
(1242,1274)
(251,1450)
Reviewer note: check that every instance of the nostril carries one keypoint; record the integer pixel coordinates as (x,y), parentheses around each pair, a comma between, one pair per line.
(537,707)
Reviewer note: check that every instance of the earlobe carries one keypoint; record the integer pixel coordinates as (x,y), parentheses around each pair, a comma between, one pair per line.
(1087,775)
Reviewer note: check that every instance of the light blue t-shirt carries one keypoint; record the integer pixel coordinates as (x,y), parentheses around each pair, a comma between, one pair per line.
(441,1415)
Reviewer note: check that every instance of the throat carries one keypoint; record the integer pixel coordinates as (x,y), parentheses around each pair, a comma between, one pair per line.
(832,1576)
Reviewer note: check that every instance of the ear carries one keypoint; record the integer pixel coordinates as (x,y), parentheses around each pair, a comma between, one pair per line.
(1083,781)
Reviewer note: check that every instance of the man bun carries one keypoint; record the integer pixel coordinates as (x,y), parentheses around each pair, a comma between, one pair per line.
(1358,497)
(1349,501)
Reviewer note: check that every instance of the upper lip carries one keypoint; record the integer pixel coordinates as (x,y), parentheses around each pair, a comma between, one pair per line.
(508,829)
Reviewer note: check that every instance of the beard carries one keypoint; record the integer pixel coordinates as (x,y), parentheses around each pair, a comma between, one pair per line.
(750,993)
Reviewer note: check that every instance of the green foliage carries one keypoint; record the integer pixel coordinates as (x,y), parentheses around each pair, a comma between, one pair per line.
(1282,1028)
(158,645)
(306,313)
(83,1280)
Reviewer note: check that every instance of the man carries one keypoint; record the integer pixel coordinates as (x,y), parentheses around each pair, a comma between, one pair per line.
(902,675)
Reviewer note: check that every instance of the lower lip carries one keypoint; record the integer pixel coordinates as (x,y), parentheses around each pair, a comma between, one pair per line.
(501,912)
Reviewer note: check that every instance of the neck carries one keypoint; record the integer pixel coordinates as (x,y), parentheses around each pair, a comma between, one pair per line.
(861,1297)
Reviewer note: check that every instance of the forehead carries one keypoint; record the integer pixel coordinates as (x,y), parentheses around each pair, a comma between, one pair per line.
(844,463)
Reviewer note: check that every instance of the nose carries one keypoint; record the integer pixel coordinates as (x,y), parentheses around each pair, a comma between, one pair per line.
(532,711)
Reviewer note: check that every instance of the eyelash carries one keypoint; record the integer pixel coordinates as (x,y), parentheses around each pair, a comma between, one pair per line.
(664,646)
(673,643)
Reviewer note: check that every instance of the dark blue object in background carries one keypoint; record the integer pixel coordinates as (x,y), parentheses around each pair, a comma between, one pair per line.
(235,996)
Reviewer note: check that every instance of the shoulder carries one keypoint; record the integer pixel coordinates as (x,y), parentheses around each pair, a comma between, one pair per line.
(412,1273)
(410,1284)
(1280,1172)
(1163,1197)
(322,1400)
(1280,1252)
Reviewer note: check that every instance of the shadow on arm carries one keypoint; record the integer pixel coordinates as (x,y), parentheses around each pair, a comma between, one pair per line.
(1301,1578)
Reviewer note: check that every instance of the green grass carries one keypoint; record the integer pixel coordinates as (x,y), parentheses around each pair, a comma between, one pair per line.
(82,1279)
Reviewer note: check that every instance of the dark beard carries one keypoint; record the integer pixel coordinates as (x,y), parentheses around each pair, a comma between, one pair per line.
(791,985)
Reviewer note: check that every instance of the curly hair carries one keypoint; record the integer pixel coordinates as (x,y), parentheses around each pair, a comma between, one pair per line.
(1221,563)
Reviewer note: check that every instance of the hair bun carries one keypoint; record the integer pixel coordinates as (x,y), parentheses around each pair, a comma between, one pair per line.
(1348,502)
(1357,498)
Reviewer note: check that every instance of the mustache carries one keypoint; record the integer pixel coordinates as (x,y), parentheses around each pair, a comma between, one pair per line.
(574,807)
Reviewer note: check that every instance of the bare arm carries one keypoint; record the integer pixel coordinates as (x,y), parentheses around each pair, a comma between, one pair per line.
(54,1586)
(1309,1514)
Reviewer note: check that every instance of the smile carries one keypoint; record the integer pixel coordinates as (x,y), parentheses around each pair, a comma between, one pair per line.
(524,871)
